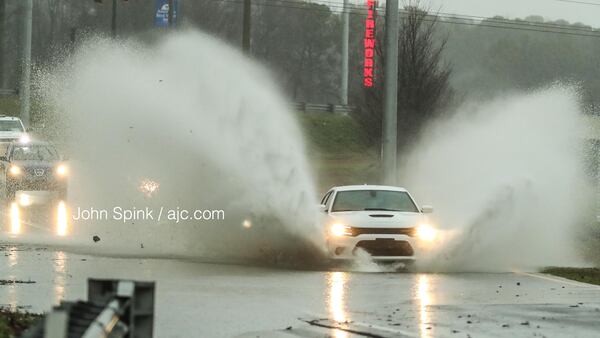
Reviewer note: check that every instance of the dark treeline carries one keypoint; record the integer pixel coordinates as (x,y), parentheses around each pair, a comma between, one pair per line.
(300,43)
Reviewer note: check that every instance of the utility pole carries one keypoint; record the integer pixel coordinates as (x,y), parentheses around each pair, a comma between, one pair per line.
(24,93)
(390,117)
(170,17)
(345,37)
(113,20)
(3,34)
(247,25)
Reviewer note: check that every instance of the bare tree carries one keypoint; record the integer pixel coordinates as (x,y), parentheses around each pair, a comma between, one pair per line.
(423,78)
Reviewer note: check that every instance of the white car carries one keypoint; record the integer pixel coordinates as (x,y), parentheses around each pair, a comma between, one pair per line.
(384,221)
(11,129)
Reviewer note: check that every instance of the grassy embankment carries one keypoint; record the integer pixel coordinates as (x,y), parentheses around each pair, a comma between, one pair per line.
(14,322)
(9,106)
(339,150)
(585,275)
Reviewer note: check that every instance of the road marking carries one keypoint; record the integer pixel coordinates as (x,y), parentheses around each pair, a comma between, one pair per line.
(558,279)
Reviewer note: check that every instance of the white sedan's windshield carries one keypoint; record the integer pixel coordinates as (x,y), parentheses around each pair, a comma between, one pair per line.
(385,200)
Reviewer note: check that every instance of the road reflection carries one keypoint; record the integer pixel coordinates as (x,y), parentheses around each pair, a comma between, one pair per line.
(424,299)
(60,273)
(336,300)
(13,259)
(62,219)
(24,218)
(15,219)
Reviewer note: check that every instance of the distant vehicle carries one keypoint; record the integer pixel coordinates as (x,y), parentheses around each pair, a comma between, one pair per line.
(33,166)
(12,129)
(384,221)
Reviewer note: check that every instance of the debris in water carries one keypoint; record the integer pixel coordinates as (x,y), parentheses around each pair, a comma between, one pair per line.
(96,238)
(14,281)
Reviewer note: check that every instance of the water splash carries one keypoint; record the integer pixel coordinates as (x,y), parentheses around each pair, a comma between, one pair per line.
(506,179)
(204,123)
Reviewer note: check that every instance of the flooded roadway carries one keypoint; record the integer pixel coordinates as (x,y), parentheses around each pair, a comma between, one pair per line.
(211,300)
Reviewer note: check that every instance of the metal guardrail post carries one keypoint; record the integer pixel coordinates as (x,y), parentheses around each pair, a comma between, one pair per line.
(305,107)
(114,309)
(8,92)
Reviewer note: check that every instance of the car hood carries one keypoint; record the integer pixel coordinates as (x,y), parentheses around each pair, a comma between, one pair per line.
(377,219)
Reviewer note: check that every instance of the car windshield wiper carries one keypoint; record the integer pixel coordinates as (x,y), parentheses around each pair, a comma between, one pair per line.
(380,209)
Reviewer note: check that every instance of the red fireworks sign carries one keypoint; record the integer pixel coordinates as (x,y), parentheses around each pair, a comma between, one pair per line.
(369,44)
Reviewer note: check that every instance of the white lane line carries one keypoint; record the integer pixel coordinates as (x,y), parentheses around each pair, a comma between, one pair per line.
(558,279)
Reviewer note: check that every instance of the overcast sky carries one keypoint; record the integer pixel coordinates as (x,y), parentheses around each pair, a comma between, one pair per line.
(550,9)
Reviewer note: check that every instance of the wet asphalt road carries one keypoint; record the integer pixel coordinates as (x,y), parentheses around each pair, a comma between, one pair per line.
(211,300)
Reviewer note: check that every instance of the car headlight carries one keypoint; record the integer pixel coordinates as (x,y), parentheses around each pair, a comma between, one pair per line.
(61,170)
(338,230)
(426,232)
(24,138)
(14,170)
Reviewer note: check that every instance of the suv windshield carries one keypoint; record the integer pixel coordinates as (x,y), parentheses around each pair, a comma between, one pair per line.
(385,200)
(35,153)
(11,125)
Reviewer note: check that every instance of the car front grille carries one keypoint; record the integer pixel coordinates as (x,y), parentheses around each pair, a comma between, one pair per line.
(386,247)
(38,173)
(382,231)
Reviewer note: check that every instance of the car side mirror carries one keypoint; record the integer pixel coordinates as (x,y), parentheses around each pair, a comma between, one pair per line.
(427,209)
(323,208)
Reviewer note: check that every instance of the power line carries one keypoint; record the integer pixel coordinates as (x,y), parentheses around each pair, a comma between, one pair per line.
(448,18)
(381,12)
(580,2)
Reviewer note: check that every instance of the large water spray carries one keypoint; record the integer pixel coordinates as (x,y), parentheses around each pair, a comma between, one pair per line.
(507,181)
(186,123)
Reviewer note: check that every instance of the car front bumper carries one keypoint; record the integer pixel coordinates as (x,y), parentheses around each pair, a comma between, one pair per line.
(388,247)
(27,184)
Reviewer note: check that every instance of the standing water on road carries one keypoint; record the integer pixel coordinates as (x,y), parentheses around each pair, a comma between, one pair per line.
(185,124)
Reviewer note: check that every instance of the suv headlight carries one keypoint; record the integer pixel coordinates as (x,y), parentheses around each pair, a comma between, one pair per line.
(15,170)
(339,229)
(61,170)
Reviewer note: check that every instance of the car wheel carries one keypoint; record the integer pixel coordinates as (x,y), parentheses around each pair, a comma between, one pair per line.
(9,196)
(410,266)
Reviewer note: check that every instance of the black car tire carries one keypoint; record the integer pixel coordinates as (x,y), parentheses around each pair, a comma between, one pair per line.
(9,195)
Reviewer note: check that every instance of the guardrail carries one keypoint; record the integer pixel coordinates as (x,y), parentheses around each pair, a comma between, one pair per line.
(8,92)
(115,308)
(330,108)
